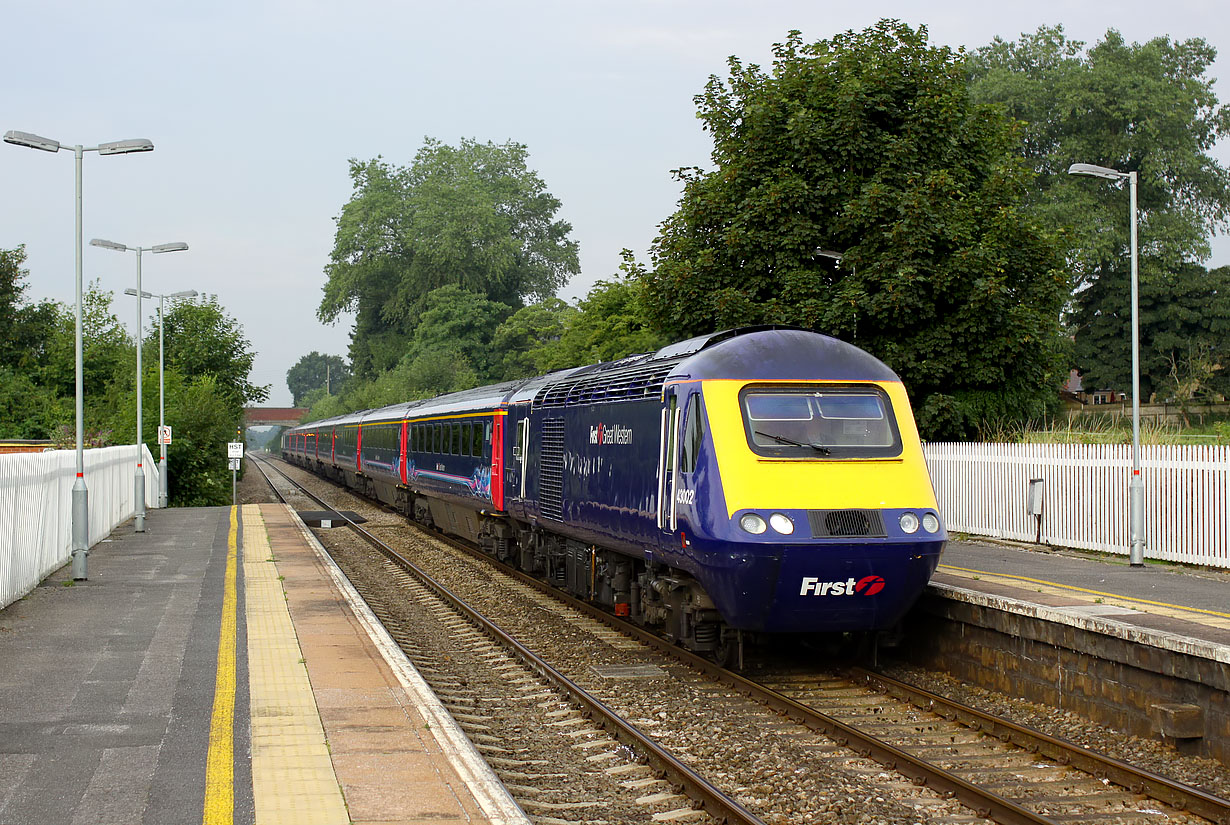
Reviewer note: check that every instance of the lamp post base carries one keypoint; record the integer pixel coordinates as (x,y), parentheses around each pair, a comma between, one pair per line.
(81,530)
(139,490)
(162,482)
(1136,521)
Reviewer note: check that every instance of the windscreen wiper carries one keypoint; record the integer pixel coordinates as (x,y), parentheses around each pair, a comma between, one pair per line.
(820,448)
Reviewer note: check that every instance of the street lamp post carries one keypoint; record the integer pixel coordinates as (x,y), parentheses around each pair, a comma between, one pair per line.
(139,478)
(162,407)
(1136,488)
(80,508)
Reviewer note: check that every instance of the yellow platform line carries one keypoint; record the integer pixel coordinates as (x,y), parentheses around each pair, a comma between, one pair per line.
(292,775)
(219,806)
(1177,611)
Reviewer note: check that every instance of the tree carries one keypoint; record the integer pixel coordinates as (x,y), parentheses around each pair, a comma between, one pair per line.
(527,339)
(869,144)
(28,329)
(610,324)
(314,371)
(1148,108)
(459,322)
(1184,331)
(472,216)
(201,340)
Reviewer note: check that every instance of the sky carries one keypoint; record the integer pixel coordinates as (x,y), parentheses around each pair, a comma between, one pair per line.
(256,107)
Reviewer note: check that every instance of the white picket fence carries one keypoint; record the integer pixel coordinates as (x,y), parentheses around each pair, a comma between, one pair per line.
(982,490)
(36,508)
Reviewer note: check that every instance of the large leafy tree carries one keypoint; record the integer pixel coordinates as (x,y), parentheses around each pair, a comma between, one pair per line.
(202,340)
(870,146)
(28,329)
(1184,332)
(316,372)
(1144,107)
(472,216)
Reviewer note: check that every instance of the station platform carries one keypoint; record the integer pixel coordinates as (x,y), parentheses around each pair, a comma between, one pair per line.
(218,668)
(1177,608)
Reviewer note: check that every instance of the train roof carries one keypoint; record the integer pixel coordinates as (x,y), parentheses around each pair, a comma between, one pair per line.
(752,353)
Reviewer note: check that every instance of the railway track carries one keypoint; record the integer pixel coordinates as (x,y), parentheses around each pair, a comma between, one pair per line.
(995,769)
(476,668)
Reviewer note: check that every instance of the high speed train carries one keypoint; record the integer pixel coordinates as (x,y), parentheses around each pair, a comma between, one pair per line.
(751,481)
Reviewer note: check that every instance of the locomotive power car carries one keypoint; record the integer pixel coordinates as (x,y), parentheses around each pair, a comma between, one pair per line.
(759,480)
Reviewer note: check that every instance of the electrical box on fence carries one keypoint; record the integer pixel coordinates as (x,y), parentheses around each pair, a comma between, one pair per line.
(1034,502)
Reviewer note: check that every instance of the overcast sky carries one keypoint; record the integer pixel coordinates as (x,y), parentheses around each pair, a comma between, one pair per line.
(255,107)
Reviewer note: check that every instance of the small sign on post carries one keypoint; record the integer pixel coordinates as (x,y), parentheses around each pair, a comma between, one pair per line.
(164,434)
(234,455)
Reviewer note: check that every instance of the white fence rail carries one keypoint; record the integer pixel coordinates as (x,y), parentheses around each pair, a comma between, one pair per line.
(982,490)
(36,508)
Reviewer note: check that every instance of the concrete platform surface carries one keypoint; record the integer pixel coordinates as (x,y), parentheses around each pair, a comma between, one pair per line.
(214,669)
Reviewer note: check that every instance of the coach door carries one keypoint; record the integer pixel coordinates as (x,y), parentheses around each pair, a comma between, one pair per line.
(668,464)
(517,482)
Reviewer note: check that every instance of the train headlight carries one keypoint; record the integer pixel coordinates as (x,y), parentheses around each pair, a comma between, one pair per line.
(781,523)
(931,523)
(909,523)
(753,523)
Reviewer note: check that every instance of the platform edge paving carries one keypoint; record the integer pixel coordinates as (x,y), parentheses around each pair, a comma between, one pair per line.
(487,792)
(292,773)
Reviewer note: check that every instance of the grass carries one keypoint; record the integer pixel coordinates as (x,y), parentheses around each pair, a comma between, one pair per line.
(1104,430)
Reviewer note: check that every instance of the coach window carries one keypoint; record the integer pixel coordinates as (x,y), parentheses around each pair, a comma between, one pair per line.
(435,438)
(467,437)
(477,441)
(455,444)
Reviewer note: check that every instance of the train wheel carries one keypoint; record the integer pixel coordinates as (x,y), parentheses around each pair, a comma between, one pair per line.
(729,651)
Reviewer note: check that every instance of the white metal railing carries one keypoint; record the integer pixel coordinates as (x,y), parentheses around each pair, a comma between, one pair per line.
(982,490)
(36,508)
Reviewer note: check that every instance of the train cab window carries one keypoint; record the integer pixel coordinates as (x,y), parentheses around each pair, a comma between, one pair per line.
(693,436)
(820,422)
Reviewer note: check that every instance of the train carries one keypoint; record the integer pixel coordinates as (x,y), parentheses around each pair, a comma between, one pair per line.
(754,481)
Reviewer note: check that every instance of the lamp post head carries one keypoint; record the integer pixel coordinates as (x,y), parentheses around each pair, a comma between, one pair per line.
(175,246)
(32,141)
(828,253)
(187,293)
(124,147)
(144,294)
(118,247)
(1093,171)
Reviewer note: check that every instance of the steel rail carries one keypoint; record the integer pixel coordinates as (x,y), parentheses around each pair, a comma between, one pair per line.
(985,803)
(716,803)
(1136,780)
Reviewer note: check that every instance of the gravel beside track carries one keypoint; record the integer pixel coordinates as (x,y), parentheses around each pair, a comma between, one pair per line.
(778,769)
(1206,774)
(771,765)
